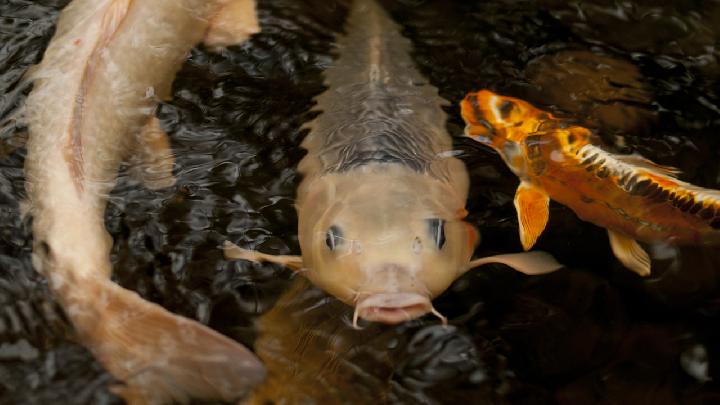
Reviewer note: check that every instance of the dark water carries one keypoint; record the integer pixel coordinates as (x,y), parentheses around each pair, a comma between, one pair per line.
(643,74)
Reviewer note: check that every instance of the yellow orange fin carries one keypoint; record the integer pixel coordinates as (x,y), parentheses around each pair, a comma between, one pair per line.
(630,253)
(158,356)
(532,205)
(530,263)
(154,158)
(642,163)
(233,251)
(232,24)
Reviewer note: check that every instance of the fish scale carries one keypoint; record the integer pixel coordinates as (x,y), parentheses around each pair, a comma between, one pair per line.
(636,182)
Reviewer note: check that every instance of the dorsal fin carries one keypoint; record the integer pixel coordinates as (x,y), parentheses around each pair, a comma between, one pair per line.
(643,163)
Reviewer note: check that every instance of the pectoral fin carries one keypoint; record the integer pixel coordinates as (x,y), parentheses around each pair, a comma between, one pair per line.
(232,24)
(530,263)
(532,205)
(233,251)
(153,161)
(630,253)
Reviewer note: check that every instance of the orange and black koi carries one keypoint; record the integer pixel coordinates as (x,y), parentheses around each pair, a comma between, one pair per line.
(632,197)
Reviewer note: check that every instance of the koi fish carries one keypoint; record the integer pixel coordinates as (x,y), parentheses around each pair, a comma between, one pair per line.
(381,203)
(91,108)
(632,197)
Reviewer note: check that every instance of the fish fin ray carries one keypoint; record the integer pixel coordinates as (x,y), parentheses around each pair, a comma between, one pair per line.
(530,263)
(532,206)
(630,253)
(233,251)
(648,165)
(234,23)
(155,160)
(156,354)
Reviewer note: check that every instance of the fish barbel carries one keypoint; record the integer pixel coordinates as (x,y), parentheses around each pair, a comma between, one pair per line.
(632,197)
(381,203)
(91,108)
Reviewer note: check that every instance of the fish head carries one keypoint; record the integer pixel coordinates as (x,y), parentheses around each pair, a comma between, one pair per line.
(386,243)
(494,119)
(524,135)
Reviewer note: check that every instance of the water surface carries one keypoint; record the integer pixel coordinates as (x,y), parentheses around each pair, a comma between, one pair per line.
(643,74)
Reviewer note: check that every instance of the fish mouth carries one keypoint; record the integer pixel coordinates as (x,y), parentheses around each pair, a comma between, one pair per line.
(393,308)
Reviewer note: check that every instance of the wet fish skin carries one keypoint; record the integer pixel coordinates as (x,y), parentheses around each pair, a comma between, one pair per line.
(632,197)
(381,203)
(91,108)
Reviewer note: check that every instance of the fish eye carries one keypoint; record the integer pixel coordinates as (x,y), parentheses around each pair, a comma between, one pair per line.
(436,228)
(333,237)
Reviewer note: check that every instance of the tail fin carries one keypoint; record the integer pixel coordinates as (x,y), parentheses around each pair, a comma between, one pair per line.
(157,355)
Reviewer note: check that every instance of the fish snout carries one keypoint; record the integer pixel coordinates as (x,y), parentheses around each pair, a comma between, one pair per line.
(392,308)
(477,119)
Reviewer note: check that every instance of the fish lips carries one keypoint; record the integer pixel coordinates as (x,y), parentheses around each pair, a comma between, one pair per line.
(393,308)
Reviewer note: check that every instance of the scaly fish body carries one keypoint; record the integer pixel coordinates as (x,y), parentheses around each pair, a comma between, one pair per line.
(91,108)
(632,197)
(381,204)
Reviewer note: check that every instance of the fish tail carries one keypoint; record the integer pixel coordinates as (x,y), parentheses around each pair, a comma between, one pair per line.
(158,356)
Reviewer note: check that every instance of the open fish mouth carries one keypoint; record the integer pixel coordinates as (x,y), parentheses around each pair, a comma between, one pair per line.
(393,308)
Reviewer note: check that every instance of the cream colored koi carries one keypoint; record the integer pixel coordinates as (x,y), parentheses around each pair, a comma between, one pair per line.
(381,204)
(91,108)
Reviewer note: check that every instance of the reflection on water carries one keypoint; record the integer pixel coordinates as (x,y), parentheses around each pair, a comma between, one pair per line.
(644,74)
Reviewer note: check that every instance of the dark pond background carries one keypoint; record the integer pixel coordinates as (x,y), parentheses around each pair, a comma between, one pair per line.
(644,74)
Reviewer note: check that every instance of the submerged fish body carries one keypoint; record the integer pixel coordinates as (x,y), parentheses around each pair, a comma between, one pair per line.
(381,204)
(91,108)
(380,207)
(632,197)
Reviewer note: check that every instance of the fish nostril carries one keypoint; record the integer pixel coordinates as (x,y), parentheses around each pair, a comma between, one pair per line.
(417,246)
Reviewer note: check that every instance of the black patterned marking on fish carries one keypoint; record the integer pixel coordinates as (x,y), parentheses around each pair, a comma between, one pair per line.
(706,213)
(593,167)
(677,201)
(697,206)
(478,116)
(631,182)
(689,202)
(588,160)
(642,187)
(654,191)
(622,181)
(571,139)
(715,223)
(506,108)
(586,199)
(602,172)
